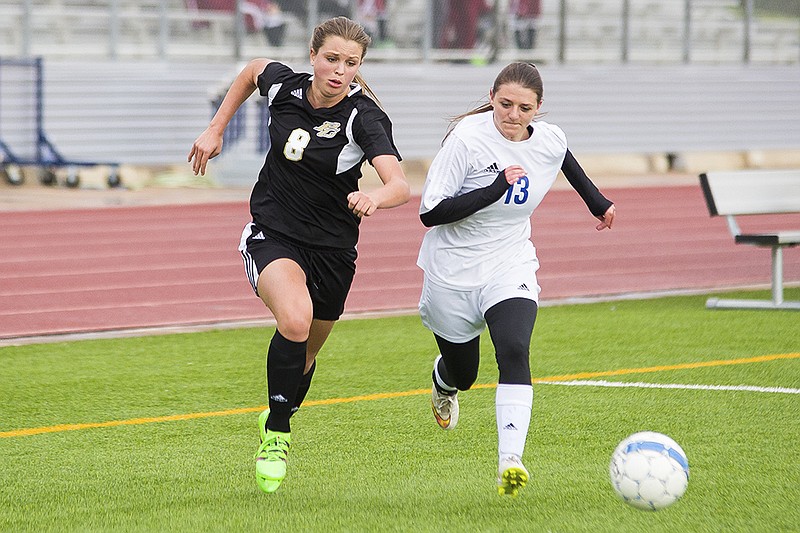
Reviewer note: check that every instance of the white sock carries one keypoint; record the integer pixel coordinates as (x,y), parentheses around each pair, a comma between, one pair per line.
(513,405)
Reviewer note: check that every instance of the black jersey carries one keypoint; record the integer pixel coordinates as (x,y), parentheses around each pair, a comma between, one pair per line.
(314,160)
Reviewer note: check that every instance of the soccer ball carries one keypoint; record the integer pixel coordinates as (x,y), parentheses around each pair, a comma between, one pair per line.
(649,470)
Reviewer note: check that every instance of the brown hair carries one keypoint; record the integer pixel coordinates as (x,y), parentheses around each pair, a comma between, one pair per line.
(349,31)
(523,74)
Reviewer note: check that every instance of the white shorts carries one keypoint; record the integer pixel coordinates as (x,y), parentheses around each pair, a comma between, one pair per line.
(458,315)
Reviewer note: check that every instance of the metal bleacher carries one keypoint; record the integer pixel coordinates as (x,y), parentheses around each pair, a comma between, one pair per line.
(180,29)
(142,109)
(149,112)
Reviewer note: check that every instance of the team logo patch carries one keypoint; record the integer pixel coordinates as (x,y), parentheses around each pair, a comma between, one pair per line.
(328,129)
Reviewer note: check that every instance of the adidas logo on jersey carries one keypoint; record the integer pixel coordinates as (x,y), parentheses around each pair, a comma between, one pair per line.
(493,168)
(298,93)
(259,236)
(523,287)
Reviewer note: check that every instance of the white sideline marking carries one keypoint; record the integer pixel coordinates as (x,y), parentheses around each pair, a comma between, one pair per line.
(603,383)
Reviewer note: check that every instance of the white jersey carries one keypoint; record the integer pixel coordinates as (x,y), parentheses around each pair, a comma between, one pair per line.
(466,254)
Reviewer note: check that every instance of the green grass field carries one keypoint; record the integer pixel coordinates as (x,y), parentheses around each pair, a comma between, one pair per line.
(158,433)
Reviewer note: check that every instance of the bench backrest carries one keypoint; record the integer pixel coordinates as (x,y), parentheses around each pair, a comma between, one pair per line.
(751,192)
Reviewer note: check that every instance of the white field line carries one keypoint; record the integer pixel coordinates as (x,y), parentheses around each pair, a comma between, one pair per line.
(641,385)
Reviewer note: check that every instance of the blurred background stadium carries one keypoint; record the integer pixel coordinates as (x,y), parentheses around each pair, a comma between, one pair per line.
(638,85)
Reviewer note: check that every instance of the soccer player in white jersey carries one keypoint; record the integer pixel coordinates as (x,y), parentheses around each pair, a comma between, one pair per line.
(495,166)
(299,251)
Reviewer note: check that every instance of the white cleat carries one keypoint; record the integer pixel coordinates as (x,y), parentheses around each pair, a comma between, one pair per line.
(511,476)
(445,406)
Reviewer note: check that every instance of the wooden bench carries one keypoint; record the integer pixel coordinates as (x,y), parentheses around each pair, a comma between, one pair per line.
(756,192)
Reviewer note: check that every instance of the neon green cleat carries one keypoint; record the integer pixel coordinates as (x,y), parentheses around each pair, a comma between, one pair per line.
(271,456)
(262,425)
(511,476)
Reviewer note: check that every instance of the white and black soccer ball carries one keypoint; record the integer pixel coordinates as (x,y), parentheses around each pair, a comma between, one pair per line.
(649,470)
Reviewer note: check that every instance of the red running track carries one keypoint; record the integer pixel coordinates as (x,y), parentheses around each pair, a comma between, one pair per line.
(87,270)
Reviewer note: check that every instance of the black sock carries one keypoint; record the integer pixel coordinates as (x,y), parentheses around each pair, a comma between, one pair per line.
(285,363)
(305,384)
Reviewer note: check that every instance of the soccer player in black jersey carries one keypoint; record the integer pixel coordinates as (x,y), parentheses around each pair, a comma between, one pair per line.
(299,251)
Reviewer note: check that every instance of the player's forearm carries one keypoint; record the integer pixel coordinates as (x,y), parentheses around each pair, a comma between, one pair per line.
(394,192)
(594,199)
(454,209)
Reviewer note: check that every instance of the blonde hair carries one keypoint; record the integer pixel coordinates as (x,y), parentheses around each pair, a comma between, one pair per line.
(349,31)
(523,74)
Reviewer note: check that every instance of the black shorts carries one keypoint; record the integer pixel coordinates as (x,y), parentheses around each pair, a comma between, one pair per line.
(329,273)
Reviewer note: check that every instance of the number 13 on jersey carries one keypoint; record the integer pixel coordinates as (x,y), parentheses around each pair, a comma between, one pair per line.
(522,191)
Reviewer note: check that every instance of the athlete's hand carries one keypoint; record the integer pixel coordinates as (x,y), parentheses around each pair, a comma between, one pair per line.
(207,146)
(361,204)
(514,173)
(607,219)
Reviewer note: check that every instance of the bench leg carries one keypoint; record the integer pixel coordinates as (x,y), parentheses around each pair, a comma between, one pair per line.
(777,275)
(777,301)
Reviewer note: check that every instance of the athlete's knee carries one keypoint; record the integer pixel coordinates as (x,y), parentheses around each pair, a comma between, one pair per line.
(512,350)
(462,378)
(513,360)
(461,361)
(514,365)
(294,327)
(510,326)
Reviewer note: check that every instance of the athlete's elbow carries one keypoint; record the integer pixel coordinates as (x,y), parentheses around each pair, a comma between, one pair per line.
(405,193)
(427,220)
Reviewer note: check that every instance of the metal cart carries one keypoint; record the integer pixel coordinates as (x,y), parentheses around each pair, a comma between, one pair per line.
(23,141)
